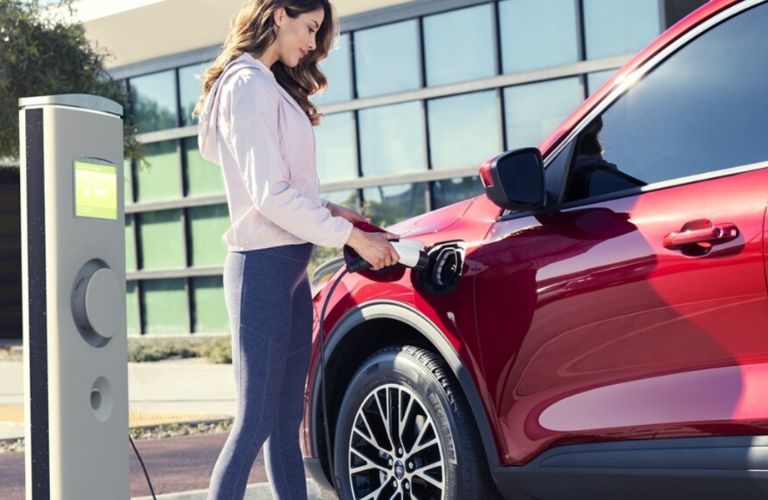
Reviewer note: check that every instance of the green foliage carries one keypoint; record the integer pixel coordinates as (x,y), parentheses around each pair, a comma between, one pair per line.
(12,445)
(177,429)
(153,349)
(43,54)
(10,353)
(216,349)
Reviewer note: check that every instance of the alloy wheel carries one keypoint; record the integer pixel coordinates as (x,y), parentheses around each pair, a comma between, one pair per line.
(395,452)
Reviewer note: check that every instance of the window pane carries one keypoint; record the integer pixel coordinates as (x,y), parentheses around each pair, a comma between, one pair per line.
(337,69)
(537,34)
(153,101)
(162,239)
(336,151)
(615,27)
(387,205)
(190,88)
(596,79)
(678,121)
(128,181)
(536,109)
(392,139)
(464,130)
(203,177)
(165,306)
(130,244)
(131,309)
(449,191)
(464,35)
(207,225)
(160,180)
(348,198)
(210,314)
(387,59)
(676,9)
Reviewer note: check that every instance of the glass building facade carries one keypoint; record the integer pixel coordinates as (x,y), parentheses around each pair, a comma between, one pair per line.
(419,96)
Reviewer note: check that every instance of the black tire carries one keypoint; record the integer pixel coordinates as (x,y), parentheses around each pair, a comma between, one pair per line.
(448,462)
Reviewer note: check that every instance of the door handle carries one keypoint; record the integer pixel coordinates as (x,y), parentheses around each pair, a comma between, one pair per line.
(702,233)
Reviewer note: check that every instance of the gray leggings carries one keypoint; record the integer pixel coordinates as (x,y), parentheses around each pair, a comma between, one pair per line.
(270,313)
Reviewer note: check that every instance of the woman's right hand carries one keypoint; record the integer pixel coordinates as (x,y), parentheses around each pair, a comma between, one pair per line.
(375,248)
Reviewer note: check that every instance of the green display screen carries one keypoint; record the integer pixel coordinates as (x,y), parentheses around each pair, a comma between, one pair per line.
(95,190)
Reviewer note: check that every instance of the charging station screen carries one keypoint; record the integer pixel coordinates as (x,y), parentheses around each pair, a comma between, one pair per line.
(95,190)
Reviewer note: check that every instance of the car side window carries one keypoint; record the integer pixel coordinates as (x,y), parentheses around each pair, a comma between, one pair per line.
(703,109)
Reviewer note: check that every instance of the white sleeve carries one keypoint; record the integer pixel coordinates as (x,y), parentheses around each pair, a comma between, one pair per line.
(255,144)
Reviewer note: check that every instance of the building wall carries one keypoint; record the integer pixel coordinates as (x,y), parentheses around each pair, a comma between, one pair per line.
(420,94)
(195,24)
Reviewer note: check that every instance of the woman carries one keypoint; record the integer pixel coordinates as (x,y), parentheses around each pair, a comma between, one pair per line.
(256,122)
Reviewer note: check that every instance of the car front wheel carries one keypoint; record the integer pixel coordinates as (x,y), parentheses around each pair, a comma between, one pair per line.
(404,431)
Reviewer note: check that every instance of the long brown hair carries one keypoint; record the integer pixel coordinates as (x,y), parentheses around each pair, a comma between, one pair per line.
(253,31)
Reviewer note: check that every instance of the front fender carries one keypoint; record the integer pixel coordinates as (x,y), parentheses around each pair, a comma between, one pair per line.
(384,309)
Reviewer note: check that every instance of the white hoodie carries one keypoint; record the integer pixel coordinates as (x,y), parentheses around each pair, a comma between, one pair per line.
(265,145)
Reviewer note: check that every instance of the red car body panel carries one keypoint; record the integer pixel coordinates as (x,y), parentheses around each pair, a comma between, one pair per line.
(579,306)
(536,315)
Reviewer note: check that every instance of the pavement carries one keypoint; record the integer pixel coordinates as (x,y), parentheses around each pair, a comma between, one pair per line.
(158,393)
(259,491)
(166,392)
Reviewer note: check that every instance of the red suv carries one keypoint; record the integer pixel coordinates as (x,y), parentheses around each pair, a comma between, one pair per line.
(596,325)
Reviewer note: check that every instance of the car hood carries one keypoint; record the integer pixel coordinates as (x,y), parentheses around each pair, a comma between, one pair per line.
(431,222)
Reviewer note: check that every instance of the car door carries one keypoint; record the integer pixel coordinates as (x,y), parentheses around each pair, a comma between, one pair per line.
(637,308)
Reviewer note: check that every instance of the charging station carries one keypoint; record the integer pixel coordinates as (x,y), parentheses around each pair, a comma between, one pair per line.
(73,290)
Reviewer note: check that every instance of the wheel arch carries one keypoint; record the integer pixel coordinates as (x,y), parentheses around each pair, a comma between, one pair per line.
(370,327)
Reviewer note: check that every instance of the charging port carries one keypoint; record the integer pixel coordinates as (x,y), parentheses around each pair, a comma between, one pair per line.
(444,267)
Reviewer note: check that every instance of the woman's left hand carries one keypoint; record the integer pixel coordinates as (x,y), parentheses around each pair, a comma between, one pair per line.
(346,213)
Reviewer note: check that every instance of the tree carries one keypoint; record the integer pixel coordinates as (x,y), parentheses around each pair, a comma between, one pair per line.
(41,53)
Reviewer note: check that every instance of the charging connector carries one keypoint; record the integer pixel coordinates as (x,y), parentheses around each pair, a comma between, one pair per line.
(410,252)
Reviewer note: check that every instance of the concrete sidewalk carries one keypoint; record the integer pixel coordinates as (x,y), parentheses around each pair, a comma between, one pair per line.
(159,393)
(11,400)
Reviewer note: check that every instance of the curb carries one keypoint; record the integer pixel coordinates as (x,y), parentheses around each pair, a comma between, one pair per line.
(257,491)
(144,429)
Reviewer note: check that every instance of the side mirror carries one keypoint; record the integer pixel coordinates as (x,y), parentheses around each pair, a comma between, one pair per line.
(515,180)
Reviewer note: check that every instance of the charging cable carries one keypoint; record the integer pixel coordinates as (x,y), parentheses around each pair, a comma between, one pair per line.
(149,482)
(326,428)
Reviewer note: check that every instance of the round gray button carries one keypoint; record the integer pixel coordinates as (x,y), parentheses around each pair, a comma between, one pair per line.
(102,298)
(97,303)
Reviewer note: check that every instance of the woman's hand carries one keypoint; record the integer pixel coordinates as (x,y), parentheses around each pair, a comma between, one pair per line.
(375,248)
(346,213)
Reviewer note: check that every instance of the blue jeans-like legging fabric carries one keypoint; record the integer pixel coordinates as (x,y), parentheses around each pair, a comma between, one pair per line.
(270,312)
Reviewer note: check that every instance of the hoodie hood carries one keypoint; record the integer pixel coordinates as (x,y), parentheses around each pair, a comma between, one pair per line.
(208,122)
